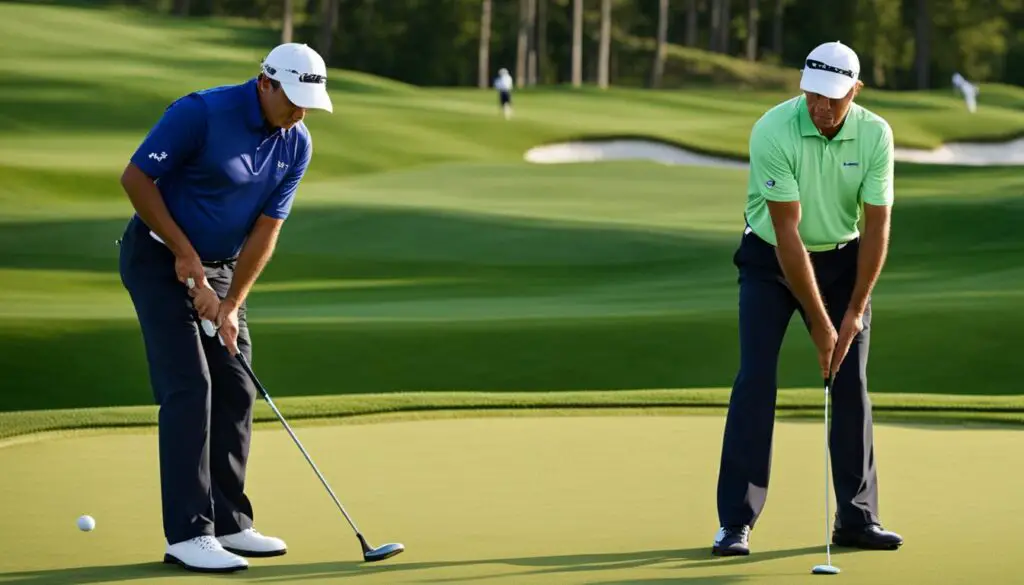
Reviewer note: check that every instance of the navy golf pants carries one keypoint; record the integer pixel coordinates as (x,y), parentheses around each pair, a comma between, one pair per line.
(766,306)
(205,397)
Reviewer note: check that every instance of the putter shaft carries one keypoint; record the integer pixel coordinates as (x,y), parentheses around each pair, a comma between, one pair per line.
(828,540)
(266,397)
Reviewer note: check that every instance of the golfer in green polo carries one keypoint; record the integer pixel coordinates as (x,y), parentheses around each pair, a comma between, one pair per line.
(819,163)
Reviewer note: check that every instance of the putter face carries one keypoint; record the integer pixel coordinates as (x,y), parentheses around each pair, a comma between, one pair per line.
(384,551)
(825,570)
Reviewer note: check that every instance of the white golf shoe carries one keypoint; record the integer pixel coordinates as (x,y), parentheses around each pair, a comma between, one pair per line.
(204,554)
(250,543)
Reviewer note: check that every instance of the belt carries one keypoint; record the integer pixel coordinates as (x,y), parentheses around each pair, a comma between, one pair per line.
(207,263)
(813,247)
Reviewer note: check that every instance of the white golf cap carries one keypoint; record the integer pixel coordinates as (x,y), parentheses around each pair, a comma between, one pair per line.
(302,73)
(831,70)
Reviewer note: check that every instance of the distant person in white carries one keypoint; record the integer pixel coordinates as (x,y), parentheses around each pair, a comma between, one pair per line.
(968,90)
(503,83)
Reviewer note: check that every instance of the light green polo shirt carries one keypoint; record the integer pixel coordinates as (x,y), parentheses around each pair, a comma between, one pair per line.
(790,160)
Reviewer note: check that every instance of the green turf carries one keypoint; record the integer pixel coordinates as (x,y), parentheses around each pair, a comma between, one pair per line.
(589,499)
(423,254)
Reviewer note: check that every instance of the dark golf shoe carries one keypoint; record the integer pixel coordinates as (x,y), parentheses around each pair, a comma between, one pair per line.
(732,541)
(870,537)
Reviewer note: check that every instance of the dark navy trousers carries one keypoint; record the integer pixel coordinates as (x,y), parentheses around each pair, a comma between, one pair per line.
(766,306)
(205,397)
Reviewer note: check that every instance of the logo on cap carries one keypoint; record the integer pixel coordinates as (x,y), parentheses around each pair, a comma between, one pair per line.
(312,78)
(814,64)
(302,77)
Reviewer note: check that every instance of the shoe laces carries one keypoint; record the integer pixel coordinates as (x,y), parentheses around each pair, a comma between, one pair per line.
(742,531)
(206,543)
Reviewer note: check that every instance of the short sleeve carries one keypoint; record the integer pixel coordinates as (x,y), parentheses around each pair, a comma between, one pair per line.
(279,204)
(770,172)
(877,188)
(177,136)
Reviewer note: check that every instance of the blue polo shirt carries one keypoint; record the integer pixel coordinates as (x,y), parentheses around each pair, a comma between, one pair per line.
(218,166)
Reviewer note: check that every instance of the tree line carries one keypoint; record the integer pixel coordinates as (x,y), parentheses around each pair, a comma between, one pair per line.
(903,44)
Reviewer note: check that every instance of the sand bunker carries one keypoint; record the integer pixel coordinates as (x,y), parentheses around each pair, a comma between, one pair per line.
(967,154)
(606,150)
(954,153)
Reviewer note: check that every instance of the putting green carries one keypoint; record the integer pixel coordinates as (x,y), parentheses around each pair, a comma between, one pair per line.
(582,499)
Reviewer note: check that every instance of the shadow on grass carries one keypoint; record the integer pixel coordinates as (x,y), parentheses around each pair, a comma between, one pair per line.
(434,571)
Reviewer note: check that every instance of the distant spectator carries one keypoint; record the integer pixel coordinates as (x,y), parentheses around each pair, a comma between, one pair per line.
(503,83)
(968,90)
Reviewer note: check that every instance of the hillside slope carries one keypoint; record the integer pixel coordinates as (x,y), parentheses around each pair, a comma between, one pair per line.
(424,254)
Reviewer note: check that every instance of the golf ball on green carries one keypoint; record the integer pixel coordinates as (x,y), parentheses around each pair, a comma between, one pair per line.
(86,523)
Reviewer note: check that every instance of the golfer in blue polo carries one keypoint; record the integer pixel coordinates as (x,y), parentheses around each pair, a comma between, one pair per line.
(211,184)
(819,163)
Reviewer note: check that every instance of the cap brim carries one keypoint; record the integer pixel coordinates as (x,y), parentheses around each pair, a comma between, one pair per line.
(312,96)
(828,84)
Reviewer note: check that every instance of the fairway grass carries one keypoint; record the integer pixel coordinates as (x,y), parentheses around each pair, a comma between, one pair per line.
(424,255)
(594,500)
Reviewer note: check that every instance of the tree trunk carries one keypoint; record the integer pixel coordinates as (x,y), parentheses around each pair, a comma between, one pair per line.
(922,45)
(484,53)
(658,70)
(780,9)
(523,36)
(287,20)
(542,39)
(725,28)
(328,25)
(691,23)
(604,50)
(715,33)
(531,42)
(753,20)
(577,43)
(181,7)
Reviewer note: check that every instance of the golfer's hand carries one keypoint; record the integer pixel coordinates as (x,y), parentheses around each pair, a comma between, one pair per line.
(825,339)
(227,326)
(853,323)
(206,302)
(189,266)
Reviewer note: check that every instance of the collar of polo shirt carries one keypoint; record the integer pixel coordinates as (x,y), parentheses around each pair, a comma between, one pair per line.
(807,127)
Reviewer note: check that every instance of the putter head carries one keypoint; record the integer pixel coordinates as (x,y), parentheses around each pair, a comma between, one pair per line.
(384,551)
(825,570)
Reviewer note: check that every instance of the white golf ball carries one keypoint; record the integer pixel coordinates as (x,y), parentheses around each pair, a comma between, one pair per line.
(86,523)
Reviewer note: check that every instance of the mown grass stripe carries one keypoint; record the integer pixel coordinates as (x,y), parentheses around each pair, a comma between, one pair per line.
(793,403)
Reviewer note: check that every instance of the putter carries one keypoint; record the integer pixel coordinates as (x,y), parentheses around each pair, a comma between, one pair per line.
(370,554)
(827,568)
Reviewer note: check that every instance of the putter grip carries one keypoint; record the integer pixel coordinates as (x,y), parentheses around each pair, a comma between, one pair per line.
(211,330)
(208,327)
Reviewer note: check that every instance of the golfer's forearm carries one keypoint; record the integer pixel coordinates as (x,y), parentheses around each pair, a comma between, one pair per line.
(255,254)
(799,273)
(149,204)
(874,246)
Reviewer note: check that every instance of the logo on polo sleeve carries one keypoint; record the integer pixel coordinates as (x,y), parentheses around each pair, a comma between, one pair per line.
(769,183)
(158,157)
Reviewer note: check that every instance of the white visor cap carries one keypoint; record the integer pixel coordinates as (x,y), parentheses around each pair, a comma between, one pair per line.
(831,70)
(302,74)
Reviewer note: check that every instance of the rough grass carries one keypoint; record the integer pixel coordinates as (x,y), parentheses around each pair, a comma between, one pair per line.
(799,403)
